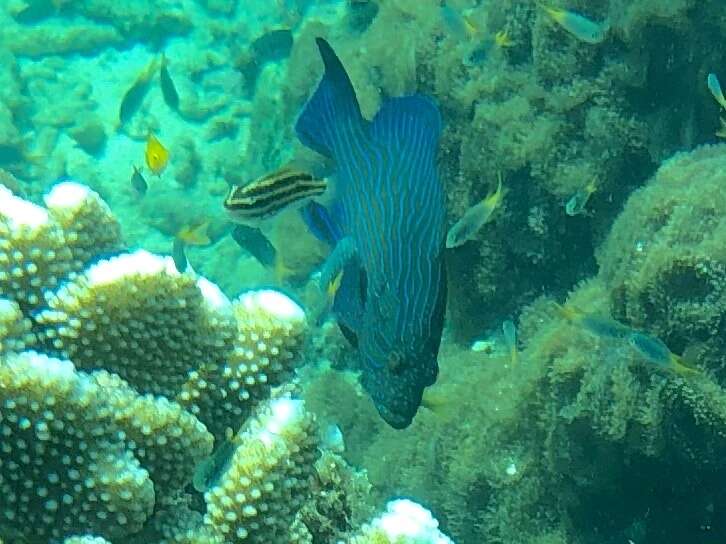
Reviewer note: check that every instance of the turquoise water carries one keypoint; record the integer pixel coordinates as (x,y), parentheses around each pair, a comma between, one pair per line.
(486,276)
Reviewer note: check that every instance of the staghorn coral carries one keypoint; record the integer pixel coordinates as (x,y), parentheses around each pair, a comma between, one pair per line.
(270,332)
(135,315)
(267,481)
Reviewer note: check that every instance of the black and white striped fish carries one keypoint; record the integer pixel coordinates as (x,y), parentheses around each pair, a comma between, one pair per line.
(272,193)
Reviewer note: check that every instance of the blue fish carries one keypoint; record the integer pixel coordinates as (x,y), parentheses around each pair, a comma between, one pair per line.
(388,229)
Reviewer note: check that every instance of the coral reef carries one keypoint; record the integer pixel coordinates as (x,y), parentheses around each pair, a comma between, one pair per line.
(268,344)
(268,476)
(583,438)
(105,424)
(404,522)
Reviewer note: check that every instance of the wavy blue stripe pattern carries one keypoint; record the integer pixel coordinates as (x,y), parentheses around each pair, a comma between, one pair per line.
(391,206)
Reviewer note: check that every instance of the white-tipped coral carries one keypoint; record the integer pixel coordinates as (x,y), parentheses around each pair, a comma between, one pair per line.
(15,332)
(404,522)
(89,226)
(34,256)
(267,480)
(85,539)
(166,439)
(64,468)
(135,315)
(271,329)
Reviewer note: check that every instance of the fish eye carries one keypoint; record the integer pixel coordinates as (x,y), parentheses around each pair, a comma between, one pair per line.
(395,362)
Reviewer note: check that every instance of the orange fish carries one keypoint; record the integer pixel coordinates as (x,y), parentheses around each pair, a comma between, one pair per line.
(156,154)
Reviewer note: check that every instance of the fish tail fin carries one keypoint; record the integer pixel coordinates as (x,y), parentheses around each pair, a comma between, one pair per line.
(682,367)
(332,110)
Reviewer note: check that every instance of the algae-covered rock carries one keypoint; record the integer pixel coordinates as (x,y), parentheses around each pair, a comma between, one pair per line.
(59,37)
(90,134)
(664,261)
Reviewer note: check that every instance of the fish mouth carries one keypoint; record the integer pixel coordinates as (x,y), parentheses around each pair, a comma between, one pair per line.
(394,419)
(396,400)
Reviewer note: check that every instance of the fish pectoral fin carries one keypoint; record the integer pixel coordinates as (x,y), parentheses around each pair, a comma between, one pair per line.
(343,253)
(322,222)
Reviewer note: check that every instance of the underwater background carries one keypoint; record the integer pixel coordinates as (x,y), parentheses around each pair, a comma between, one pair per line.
(166,377)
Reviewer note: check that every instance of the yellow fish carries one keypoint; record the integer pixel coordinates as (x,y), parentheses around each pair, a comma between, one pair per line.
(577,202)
(334,286)
(156,154)
(474,218)
(509,331)
(715,87)
(502,39)
(578,25)
(195,236)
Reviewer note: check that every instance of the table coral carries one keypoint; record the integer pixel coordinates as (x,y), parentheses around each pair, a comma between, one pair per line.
(88,225)
(86,539)
(268,345)
(64,466)
(34,255)
(135,315)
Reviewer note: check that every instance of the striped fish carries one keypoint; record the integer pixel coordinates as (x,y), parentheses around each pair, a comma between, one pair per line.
(270,194)
(387,226)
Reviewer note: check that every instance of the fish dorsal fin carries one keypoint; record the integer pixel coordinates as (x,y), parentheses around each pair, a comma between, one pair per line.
(408,124)
(332,113)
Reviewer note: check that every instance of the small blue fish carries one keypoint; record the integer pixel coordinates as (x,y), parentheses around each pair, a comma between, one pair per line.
(168,89)
(654,350)
(388,230)
(179,255)
(715,87)
(208,472)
